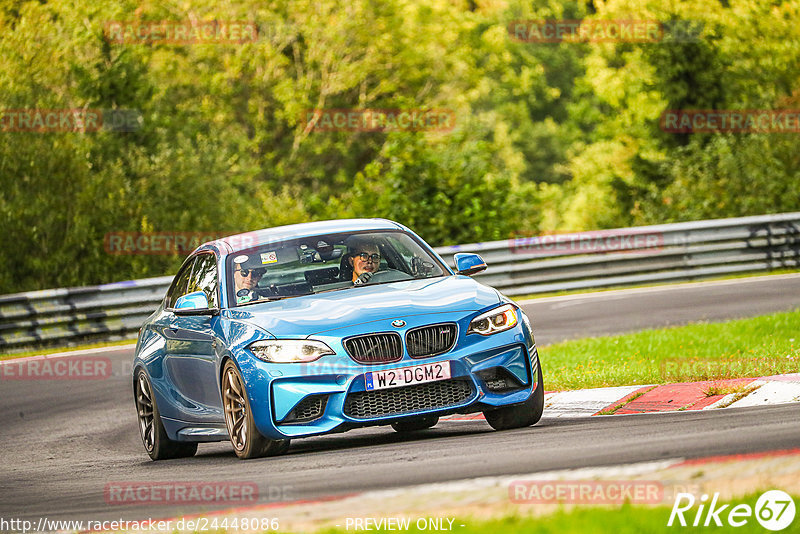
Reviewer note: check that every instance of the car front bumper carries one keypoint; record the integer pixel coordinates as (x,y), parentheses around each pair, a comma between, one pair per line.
(329,395)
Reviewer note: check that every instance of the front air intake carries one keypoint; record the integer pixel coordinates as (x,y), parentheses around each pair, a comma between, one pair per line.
(431,340)
(408,399)
(385,347)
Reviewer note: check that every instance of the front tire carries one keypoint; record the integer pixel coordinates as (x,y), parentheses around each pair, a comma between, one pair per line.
(247,441)
(418,423)
(151,429)
(521,415)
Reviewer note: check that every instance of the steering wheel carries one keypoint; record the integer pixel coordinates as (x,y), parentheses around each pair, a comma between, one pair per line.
(387,275)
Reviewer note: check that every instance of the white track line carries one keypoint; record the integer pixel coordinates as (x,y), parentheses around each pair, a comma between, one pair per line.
(67,354)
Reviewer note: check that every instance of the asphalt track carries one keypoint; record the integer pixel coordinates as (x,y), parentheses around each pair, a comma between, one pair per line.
(612,312)
(63,441)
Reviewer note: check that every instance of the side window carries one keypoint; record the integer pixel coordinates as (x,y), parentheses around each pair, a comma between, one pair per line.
(204,278)
(178,287)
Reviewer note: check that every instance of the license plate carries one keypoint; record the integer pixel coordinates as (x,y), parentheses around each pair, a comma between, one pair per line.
(405,376)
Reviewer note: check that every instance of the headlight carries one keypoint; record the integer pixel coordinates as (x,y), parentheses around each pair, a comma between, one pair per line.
(494,321)
(290,350)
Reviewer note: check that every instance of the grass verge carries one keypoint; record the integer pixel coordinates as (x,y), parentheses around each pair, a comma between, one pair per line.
(760,346)
(54,350)
(727,389)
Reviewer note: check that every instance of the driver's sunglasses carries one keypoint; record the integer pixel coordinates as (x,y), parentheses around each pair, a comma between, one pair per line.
(246,272)
(376,258)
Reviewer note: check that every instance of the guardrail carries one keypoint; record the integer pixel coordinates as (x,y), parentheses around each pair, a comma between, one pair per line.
(517,266)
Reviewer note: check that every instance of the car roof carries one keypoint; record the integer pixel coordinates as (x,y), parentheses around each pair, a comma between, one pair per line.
(256,238)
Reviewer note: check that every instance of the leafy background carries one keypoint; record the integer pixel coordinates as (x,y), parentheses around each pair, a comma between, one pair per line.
(548,137)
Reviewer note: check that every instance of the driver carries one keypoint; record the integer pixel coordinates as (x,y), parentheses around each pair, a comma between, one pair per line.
(365,259)
(245,278)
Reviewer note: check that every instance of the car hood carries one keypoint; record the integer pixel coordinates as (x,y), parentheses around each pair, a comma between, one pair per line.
(314,314)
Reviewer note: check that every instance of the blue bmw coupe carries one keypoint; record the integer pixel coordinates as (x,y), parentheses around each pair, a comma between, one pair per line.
(322,327)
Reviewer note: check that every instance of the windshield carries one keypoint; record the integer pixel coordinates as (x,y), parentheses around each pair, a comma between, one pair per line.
(309,265)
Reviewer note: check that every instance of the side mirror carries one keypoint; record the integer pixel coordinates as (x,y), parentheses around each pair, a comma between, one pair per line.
(195,303)
(469,264)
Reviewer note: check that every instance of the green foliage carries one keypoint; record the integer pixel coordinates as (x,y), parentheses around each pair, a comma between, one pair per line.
(548,136)
(745,56)
(451,191)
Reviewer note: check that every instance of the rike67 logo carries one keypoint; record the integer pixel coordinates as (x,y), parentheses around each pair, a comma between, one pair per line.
(774,510)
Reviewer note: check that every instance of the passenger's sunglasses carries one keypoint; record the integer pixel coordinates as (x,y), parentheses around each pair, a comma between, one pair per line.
(376,258)
(246,272)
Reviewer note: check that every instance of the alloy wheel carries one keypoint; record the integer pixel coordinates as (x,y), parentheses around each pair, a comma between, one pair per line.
(235,408)
(144,409)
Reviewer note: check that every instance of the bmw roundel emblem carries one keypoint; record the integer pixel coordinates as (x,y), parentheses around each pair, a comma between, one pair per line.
(397,323)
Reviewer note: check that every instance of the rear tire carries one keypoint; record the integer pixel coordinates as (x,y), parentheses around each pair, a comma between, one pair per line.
(418,423)
(151,429)
(521,415)
(247,441)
